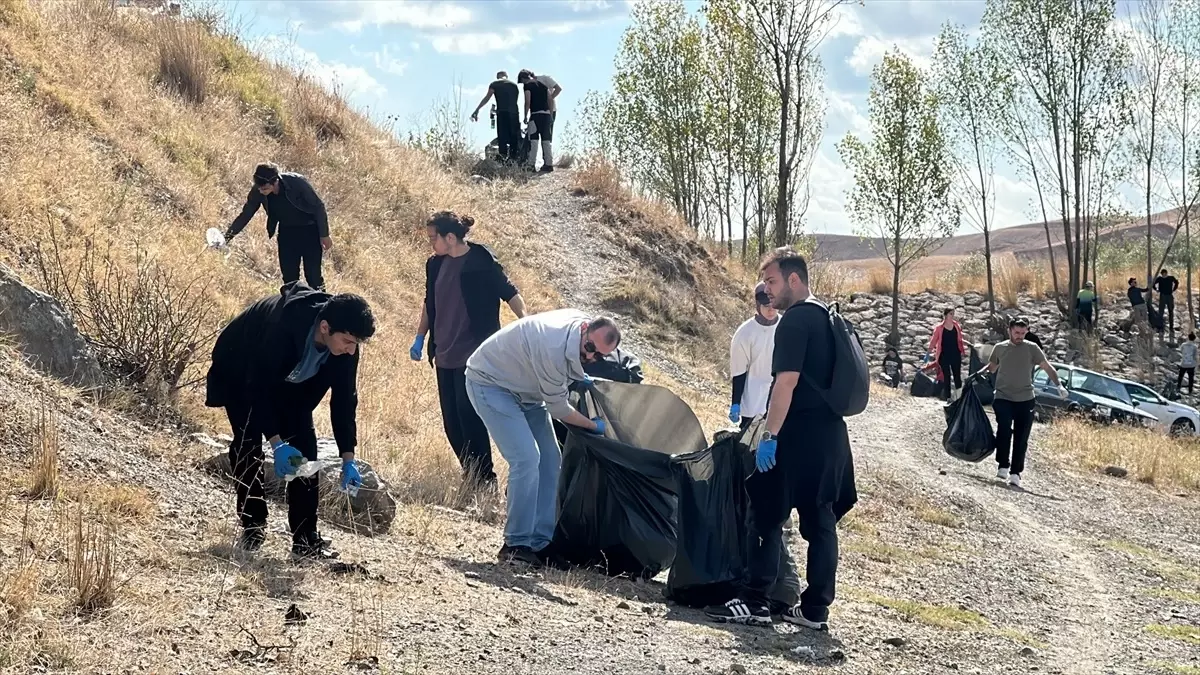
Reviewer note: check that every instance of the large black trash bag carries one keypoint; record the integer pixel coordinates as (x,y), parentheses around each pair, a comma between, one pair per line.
(710,559)
(619,366)
(969,435)
(985,387)
(617,494)
(924,386)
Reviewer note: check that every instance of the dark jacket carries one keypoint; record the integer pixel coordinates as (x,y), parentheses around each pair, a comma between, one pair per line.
(484,285)
(256,352)
(299,192)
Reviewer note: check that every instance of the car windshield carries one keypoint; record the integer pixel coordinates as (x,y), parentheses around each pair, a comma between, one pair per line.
(1093,383)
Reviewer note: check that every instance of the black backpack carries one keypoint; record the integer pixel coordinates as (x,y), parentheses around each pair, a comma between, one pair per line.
(851,386)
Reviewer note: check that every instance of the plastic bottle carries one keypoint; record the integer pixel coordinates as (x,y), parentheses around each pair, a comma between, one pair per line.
(215,238)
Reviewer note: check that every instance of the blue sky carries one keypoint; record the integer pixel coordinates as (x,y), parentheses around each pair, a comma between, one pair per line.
(399,58)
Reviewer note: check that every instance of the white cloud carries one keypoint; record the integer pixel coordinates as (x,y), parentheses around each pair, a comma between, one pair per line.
(351,80)
(386,61)
(479,43)
(844,108)
(845,21)
(869,51)
(422,15)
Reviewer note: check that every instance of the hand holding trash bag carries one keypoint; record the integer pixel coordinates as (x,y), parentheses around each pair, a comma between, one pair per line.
(287,459)
(969,435)
(764,456)
(586,384)
(735,413)
(601,427)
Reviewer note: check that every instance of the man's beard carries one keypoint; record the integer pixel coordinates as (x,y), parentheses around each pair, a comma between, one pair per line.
(783,299)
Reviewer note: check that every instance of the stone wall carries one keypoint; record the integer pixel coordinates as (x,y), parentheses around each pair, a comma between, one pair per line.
(1110,350)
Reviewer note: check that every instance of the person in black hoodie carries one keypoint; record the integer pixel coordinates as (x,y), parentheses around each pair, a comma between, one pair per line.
(292,206)
(271,366)
(464,285)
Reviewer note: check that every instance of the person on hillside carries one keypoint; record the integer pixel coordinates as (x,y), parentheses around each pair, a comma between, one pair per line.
(517,380)
(948,351)
(464,286)
(508,115)
(1166,285)
(1085,305)
(750,360)
(893,368)
(540,113)
(271,366)
(803,460)
(1013,362)
(1188,355)
(1137,302)
(294,208)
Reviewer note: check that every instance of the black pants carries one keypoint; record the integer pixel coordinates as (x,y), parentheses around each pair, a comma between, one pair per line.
(246,461)
(466,432)
(508,133)
(1014,420)
(544,122)
(1085,318)
(300,244)
(1191,375)
(951,367)
(1166,307)
(768,556)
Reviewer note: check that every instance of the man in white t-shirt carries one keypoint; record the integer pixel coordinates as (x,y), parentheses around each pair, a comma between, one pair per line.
(750,361)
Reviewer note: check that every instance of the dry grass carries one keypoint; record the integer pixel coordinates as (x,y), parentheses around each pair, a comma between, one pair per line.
(92,562)
(183,59)
(114,501)
(1150,456)
(941,616)
(1011,281)
(43,474)
(879,281)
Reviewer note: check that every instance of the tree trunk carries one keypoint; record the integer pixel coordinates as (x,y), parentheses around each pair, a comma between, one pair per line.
(894,335)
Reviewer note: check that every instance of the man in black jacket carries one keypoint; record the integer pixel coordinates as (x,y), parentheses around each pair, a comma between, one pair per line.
(293,206)
(271,366)
(1166,285)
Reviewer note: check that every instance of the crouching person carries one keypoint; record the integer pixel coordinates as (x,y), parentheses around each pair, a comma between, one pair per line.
(271,367)
(517,380)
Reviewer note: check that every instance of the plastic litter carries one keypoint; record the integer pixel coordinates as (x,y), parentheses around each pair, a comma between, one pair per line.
(215,238)
(308,469)
(969,435)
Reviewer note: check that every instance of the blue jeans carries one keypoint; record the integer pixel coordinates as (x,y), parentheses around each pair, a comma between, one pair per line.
(524,436)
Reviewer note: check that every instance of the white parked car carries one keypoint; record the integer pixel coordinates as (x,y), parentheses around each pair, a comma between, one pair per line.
(1173,417)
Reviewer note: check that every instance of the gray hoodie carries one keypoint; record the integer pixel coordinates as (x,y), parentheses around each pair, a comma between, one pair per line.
(1187,352)
(535,358)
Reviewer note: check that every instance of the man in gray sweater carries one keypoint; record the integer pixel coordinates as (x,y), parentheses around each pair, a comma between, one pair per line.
(518,380)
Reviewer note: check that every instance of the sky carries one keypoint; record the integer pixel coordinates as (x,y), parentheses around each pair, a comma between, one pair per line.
(400,59)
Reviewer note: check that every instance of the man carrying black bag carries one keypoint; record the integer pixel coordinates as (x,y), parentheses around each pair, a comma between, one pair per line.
(1013,362)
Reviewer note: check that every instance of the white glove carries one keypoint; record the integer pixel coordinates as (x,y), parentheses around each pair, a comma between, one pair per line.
(1062,392)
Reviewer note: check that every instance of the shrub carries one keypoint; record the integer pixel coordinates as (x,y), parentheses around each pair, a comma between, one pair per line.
(183,60)
(43,474)
(91,563)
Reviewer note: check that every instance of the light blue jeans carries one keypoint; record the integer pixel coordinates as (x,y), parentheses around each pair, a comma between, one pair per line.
(524,436)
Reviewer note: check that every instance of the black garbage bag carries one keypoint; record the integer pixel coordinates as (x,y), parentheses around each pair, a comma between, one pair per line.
(710,559)
(617,494)
(924,386)
(969,435)
(619,366)
(985,387)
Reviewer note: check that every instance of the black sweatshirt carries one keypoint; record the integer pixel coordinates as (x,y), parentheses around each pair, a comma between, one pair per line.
(307,209)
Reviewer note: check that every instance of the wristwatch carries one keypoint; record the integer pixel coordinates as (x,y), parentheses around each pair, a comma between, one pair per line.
(768,436)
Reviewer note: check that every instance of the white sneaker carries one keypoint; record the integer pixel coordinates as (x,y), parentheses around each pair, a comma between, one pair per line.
(1015,480)
(1002,474)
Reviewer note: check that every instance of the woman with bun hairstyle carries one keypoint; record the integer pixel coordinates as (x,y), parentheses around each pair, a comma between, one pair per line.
(464,285)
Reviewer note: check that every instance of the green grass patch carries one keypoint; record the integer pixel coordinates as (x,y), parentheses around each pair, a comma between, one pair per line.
(935,516)
(941,616)
(244,77)
(1022,638)
(1155,562)
(1176,668)
(1175,594)
(880,552)
(1131,548)
(1180,632)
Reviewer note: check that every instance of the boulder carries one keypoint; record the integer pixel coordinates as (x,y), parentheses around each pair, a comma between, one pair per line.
(369,512)
(45,333)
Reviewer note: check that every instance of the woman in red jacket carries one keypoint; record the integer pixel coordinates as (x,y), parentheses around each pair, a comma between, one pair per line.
(948,350)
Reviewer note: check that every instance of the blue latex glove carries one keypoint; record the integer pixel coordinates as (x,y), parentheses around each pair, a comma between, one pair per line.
(287,459)
(418,346)
(764,457)
(350,475)
(601,427)
(735,413)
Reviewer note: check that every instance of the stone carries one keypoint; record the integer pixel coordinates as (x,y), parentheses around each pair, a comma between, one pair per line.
(622,605)
(1116,471)
(736,669)
(895,641)
(1028,651)
(46,334)
(370,512)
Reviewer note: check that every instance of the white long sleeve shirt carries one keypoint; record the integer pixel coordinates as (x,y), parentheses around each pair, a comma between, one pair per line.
(750,352)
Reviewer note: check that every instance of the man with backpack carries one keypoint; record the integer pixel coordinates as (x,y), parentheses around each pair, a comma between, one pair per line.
(803,460)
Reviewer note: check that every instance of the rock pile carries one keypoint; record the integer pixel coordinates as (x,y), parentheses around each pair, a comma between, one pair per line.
(1109,350)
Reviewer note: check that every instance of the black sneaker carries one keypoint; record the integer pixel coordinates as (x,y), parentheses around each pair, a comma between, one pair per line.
(547,168)
(312,546)
(796,615)
(550,558)
(737,611)
(519,554)
(251,539)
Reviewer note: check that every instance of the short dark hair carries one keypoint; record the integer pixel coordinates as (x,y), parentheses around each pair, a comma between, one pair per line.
(501,75)
(947,312)
(265,174)
(1018,321)
(604,322)
(349,313)
(1133,280)
(1163,271)
(789,263)
(449,222)
(1191,336)
(525,75)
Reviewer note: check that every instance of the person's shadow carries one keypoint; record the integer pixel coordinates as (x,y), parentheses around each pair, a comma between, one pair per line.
(813,648)
(533,581)
(997,485)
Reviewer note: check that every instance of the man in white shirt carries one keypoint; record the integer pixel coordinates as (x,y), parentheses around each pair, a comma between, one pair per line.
(750,361)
